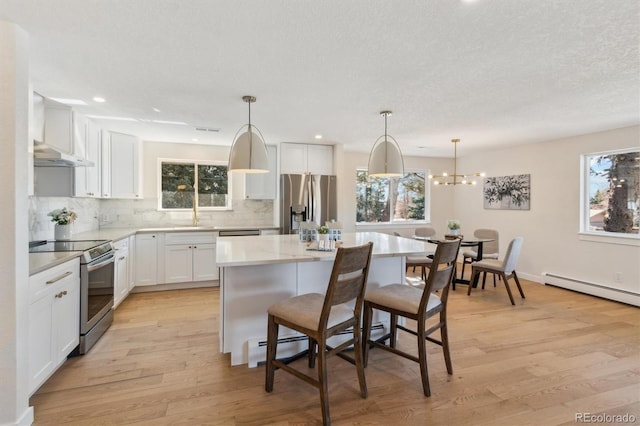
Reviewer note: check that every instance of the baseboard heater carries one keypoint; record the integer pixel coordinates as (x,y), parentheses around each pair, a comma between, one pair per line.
(258,347)
(593,289)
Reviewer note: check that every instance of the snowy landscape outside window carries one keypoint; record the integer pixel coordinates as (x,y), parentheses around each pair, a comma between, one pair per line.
(390,200)
(183,183)
(612,192)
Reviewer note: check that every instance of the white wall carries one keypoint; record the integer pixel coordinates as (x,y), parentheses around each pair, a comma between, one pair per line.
(550,228)
(441,201)
(14,265)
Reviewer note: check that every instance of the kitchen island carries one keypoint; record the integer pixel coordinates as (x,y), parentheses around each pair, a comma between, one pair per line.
(258,271)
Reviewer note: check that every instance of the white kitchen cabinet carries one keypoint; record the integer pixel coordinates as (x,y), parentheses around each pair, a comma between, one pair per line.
(58,126)
(261,186)
(146,259)
(87,179)
(121,271)
(132,262)
(190,256)
(67,131)
(54,326)
(120,166)
(297,158)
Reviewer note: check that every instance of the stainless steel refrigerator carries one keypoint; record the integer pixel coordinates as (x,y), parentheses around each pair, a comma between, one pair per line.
(306,198)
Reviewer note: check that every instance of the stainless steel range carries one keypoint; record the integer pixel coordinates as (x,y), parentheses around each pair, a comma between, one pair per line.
(96,285)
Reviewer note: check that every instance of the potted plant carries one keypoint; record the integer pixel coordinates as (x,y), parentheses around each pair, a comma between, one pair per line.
(323,233)
(63,219)
(453,225)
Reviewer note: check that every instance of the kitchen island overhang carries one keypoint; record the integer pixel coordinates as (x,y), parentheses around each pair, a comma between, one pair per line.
(258,271)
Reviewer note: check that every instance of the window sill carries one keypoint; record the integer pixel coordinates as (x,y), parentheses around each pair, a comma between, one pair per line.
(610,238)
(397,225)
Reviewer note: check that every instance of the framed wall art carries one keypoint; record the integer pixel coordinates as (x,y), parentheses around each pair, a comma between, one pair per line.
(507,192)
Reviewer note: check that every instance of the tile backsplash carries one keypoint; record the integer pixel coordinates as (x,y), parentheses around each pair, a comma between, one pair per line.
(96,214)
(40,225)
(144,214)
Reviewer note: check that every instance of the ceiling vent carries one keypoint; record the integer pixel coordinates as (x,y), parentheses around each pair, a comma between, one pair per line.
(207,129)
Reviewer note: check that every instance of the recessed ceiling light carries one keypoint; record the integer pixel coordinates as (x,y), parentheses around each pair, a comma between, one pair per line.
(318,136)
(180,123)
(68,101)
(99,99)
(156,109)
(194,140)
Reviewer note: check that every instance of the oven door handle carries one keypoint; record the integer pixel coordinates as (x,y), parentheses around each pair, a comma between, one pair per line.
(93,266)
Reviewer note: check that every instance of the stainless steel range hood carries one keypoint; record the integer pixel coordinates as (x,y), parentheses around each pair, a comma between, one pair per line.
(48,156)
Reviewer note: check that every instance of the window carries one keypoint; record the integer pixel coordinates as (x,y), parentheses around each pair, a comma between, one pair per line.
(183,182)
(390,200)
(612,192)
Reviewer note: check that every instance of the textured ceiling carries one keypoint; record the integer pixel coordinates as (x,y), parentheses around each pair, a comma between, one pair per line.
(490,72)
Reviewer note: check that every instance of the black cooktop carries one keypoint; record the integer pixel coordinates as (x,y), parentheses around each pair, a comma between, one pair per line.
(49,246)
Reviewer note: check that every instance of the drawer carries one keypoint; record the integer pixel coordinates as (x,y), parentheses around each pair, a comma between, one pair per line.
(45,282)
(172,238)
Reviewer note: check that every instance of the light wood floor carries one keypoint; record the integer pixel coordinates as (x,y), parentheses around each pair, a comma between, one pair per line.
(553,355)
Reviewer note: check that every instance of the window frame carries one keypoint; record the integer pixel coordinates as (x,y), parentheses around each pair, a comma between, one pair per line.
(399,223)
(585,232)
(195,163)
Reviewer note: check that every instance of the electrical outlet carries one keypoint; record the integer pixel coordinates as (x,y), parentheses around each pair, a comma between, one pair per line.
(618,277)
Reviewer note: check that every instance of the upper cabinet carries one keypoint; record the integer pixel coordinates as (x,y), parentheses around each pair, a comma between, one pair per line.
(260,186)
(297,158)
(87,179)
(65,129)
(121,166)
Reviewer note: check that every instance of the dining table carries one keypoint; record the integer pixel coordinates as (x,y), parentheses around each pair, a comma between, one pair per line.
(465,241)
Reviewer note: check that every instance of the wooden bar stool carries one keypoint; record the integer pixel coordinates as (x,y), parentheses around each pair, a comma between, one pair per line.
(322,316)
(402,300)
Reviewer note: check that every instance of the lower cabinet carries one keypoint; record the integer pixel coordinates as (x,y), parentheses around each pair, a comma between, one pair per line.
(146,259)
(121,274)
(54,326)
(190,256)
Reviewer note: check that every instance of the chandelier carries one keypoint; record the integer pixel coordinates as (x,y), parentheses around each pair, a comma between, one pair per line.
(455,178)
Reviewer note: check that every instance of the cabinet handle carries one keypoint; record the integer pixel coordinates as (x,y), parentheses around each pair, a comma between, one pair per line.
(58,278)
(62,293)
(122,258)
(195,246)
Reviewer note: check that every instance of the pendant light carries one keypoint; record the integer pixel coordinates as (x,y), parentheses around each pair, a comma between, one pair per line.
(455,178)
(385,159)
(248,152)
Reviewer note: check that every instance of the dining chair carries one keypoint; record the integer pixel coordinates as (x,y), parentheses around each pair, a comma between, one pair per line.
(490,249)
(423,261)
(401,300)
(322,316)
(505,268)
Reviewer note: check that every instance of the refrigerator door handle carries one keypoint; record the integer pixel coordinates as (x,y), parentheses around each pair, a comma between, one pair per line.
(312,198)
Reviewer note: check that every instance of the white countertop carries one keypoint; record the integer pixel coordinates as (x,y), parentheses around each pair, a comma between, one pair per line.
(39,262)
(270,249)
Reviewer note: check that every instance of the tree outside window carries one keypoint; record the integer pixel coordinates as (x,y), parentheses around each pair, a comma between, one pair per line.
(613,192)
(183,183)
(390,200)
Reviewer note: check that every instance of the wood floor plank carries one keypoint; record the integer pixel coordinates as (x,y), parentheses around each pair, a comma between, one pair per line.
(554,354)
